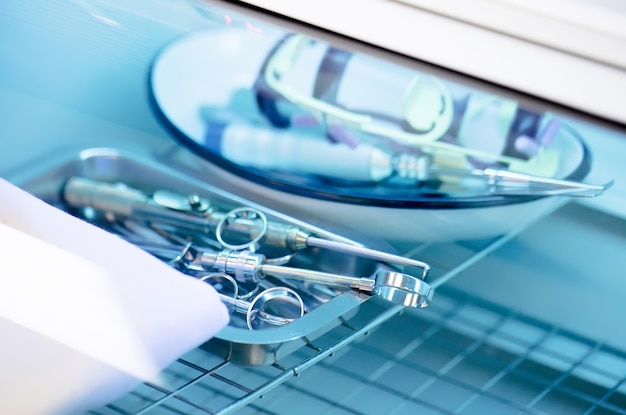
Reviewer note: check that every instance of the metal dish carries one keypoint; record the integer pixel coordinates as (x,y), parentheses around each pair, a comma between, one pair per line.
(239,345)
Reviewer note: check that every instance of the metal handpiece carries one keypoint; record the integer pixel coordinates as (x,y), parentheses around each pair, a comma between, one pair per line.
(197,215)
(396,287)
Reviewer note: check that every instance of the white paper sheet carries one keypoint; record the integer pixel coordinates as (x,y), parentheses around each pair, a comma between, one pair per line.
(85,316)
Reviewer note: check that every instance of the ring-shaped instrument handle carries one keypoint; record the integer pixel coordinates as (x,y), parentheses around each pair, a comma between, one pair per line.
(241,213)
(268,295)
(222,276)
(403,289)
(179,260)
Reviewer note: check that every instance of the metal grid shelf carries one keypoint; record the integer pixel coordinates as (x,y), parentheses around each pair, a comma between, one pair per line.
(469,356)
(462,355)
(200,383)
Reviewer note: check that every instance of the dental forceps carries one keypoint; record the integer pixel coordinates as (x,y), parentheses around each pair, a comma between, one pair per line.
(247,266)
(197,215)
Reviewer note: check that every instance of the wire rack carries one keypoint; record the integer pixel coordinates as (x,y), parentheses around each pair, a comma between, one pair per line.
(462,355)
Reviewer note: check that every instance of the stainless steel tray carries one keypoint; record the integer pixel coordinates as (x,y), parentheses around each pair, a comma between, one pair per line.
(238,345)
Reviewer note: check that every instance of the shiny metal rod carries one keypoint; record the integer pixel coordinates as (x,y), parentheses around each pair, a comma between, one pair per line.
(196,215)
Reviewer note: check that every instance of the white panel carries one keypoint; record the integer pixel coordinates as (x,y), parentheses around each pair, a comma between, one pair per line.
(579,82)
(587,29)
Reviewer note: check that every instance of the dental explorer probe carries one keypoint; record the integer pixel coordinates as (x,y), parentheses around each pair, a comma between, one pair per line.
(198,215)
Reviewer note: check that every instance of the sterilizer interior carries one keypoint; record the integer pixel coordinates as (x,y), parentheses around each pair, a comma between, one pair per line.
(530,322)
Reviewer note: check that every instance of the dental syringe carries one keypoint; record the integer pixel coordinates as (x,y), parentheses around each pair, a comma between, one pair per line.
(197,215)
(303,153)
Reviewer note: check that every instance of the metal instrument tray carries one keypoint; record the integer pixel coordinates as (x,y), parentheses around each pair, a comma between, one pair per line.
(235,344)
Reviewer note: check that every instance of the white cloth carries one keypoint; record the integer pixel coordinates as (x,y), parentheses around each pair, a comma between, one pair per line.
(84,315)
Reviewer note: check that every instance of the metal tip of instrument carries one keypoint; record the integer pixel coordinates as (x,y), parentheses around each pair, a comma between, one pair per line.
(528,185)
(583,190)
